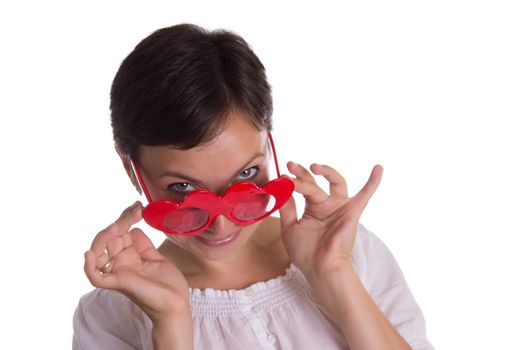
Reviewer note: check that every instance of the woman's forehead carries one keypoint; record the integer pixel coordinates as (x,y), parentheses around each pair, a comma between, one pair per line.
(235,146)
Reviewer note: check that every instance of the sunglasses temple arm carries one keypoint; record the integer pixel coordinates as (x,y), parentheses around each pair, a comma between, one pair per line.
(138,176)
(274,154)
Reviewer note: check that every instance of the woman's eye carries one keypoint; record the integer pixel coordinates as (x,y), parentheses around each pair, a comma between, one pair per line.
(249,173)
(181,187)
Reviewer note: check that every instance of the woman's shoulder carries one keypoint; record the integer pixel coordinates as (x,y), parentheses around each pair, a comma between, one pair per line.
(101,305)
(374,262)
(367,241)
(100,297)
(105,317)
(105,303)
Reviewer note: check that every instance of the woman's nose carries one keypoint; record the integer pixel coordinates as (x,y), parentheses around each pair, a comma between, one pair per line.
(221,226)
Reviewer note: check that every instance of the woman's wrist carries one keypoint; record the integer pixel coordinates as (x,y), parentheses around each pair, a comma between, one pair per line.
(173,332)
(344,299)
(333,290)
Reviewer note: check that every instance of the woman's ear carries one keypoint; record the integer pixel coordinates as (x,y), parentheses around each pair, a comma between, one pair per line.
(126,162)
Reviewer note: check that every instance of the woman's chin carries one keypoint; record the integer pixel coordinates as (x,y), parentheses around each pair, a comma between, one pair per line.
(208,248)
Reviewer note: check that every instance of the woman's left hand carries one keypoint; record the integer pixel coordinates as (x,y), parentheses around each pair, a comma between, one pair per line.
(321,241)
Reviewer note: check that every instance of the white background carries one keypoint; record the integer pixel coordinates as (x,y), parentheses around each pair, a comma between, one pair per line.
(433,91)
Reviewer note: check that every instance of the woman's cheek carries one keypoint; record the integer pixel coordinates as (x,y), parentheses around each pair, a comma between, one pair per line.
(180,241)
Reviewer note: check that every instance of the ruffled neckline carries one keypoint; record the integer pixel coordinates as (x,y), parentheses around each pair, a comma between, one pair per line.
(288,289)
(253,288)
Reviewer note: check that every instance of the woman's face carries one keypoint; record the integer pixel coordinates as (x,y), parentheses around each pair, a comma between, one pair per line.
(239,153)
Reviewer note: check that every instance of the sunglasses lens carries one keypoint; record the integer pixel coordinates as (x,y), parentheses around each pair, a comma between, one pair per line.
(186,219)
(254,206)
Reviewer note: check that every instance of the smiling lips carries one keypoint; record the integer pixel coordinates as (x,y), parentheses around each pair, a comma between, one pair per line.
(218,242)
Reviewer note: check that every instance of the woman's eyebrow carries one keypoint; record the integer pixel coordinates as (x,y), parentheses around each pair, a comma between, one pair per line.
(195,181)
(181,176)
(255,156)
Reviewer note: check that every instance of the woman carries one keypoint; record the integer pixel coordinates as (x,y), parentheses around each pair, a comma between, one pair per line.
(191,115)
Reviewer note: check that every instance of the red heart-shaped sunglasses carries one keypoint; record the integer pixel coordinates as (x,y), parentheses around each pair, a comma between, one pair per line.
(243,203)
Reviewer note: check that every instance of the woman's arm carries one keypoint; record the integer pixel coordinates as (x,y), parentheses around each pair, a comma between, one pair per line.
(173,333)
(345,300)
(321,244)
(123,259)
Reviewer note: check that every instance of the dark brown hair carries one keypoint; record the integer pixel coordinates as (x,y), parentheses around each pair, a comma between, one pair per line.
(179,85)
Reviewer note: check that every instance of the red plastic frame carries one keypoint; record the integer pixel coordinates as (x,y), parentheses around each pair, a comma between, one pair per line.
(156,211)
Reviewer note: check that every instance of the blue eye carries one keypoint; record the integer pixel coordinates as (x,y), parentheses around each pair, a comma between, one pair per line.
(181,187)
(249,173)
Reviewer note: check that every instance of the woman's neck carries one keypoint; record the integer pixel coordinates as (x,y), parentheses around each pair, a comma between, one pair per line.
(262,258)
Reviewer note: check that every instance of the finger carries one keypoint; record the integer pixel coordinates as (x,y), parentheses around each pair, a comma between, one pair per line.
(98,247)
(101,260)
(93,272)
(130,216)
(107,267)
(337,182)
(96,276)
(90,267)
(118,244)
(288,213)
(126,281)
(300,172)
(311,191)
(364,195)
(144,246)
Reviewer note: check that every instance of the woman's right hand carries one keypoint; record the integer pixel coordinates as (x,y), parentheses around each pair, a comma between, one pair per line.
(125,260)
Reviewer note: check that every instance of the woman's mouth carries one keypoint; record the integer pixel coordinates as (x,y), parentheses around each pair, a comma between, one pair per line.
(219,242)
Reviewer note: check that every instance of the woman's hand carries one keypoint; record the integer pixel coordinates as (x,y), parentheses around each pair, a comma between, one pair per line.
(125,260)
(320,244)
(322,240)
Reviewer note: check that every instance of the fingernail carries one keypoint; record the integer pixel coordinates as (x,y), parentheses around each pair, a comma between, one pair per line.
(136,206)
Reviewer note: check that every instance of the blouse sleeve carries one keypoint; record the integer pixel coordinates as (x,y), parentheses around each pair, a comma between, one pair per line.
(382,277)
(106,319)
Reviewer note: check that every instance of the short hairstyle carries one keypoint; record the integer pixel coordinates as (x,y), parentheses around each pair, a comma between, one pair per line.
(179,86)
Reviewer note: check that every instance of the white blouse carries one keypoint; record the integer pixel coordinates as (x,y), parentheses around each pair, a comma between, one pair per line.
(276,314)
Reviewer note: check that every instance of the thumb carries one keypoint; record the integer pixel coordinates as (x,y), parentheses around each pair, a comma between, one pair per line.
(288,214)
